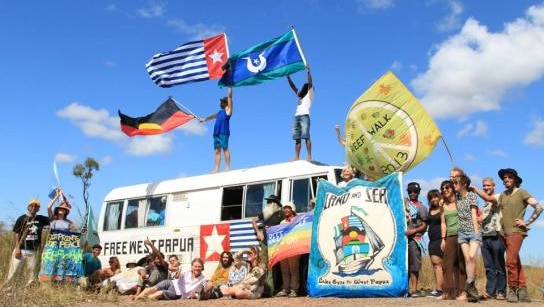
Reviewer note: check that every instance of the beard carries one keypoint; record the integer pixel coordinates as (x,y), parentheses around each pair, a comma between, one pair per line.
(270,209)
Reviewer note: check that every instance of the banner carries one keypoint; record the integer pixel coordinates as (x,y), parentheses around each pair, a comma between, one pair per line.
(270,60)
(62,257)
(358,246)
(290,239)
(387,129)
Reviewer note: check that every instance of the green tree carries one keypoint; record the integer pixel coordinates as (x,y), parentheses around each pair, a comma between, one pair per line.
(85,173)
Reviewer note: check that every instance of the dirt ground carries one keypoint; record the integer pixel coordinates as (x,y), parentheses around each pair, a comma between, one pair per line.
(308,301)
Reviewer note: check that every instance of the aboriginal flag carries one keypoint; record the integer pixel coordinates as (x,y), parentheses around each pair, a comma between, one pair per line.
(167,117)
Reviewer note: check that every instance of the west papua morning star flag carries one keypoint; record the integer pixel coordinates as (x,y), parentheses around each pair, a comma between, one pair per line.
(191,62)
(270,60)
(167,117)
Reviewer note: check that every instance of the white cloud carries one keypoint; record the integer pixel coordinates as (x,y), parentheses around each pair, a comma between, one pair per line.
(451,21)
(535,136)
(149,145)
(458,81)
(97,123)
(539,224)
(64,158)
(376,4)
(469,157)
(499,153)
(110,64)
(106,160)
(478,129)
(152,10)
(196,31)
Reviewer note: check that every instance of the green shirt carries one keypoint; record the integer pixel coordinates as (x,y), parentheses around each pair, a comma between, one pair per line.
(513,207)
(452,222)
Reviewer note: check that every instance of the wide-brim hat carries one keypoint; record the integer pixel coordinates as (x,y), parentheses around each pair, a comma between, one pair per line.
(512,171)
(274,198)
(132,261)
(64,205)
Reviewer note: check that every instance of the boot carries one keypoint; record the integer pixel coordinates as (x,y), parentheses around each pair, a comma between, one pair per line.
(523,296)
(512,295)
(472,292)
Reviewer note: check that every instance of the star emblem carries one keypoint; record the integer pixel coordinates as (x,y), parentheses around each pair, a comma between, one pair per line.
(384,89)
(216,56)
(214,242)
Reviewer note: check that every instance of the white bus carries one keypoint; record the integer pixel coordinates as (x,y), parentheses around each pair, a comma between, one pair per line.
(201,216)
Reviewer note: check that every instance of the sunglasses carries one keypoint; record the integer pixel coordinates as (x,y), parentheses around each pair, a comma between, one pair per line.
(413,191)
(446,188)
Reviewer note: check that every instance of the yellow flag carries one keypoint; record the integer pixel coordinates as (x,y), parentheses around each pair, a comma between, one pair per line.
(388,130)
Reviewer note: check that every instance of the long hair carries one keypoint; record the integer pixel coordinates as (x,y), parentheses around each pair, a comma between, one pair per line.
(229,262)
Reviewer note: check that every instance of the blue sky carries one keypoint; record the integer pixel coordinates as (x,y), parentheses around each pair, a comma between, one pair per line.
(68,66)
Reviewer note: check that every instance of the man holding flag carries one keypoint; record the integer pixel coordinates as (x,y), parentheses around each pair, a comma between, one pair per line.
(301,125)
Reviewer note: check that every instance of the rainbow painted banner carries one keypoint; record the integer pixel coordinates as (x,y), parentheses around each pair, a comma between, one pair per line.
(62,257)
(290,239)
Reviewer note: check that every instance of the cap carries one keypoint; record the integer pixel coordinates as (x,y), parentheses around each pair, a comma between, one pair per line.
(413,186)
(34,201)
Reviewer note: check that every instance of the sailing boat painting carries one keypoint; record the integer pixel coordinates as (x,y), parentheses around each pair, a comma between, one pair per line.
(358,246)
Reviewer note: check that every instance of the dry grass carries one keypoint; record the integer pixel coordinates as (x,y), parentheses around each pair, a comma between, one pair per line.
(61,294)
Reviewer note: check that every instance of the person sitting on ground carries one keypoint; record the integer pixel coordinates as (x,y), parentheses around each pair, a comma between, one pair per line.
(239,269)
(128,282)
(221,274)
(252,286)
(157,267)
(113,269)
(187,285)
(173,267)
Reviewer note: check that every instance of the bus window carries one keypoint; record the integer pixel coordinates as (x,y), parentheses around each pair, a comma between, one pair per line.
(112,219)
(155,215)
(255,195)
(231,206)
(300,194)
(131,218)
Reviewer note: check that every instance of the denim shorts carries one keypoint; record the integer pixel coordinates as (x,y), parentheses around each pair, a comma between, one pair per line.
(467,237)
(301,127)
(221,141)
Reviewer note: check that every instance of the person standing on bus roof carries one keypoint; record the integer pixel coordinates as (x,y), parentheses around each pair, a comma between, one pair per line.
(221,130)
(301,124)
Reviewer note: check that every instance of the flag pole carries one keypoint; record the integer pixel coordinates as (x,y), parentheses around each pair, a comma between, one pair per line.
(298,45)
(447,149)
(227,46)
(190,112)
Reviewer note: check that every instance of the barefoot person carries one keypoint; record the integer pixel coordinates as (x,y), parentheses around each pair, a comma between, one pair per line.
(301,124)
(221,131)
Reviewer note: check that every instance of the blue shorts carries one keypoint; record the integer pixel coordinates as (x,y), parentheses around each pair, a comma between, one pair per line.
(221,141)
(301,127)
(467,237)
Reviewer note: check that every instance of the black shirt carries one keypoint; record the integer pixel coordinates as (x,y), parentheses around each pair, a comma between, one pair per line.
(33,227)
(273,220)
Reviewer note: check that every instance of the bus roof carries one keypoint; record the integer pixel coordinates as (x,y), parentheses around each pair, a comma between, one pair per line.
(233,177)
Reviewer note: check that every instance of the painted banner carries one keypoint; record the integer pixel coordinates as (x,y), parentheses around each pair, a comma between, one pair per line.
(62,257)
(358,246)
(290,239)
(387,129)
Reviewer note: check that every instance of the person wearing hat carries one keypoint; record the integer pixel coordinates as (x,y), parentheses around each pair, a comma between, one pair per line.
(271,215)
(28,238)
(416,218)
(59,216)
(513,202)
(290,274)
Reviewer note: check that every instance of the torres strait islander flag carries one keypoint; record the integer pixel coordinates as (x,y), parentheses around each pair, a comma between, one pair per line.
(167,117)
(191,62)
(290,239)
(270,60)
